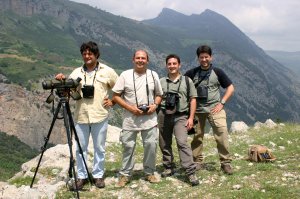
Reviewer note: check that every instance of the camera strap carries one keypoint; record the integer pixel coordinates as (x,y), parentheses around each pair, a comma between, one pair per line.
(203,78)
(85,69)
(147,88)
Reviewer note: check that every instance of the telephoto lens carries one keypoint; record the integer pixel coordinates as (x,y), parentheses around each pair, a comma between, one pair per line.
(53,84)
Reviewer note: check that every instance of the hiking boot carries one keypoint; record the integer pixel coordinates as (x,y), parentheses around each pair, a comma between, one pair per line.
(167,172)
(151,179)
(123,180)
(200,166)
(193,179)
(99,182)
(227,169)
(80,184)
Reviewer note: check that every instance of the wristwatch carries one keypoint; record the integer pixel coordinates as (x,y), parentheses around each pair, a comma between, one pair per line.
(223,102)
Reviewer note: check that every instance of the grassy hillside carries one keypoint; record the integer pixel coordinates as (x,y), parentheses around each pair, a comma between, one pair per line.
(279,179)
(13,153)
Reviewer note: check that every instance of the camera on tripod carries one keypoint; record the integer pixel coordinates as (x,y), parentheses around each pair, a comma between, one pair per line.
(63,88)
(65,83)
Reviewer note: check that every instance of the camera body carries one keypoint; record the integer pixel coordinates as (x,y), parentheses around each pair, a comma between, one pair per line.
(171,100)
(202,92)
(144,108)
(88,91)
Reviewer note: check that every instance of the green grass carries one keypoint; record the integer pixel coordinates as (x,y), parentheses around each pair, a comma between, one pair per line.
(279,179)
(19,181)
(13,153)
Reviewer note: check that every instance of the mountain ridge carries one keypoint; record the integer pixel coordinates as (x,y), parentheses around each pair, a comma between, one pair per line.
(49,34)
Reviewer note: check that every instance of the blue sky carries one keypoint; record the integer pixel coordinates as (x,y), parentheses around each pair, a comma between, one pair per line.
(271,24)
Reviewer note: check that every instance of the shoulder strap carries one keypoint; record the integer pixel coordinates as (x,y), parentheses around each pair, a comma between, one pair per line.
(188,88)
(154,93)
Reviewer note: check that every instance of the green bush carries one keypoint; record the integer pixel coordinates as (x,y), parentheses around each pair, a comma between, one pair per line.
(13,153)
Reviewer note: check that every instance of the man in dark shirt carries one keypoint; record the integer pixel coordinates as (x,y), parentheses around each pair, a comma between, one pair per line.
(210,105)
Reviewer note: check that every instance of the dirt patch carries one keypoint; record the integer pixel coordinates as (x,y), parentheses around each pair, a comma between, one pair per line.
(17,57)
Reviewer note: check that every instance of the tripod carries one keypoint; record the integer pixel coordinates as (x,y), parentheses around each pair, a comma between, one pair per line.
(70,127)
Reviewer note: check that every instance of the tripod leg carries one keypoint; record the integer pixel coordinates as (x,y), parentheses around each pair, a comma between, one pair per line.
(46,141)
(72,125)
(67,126)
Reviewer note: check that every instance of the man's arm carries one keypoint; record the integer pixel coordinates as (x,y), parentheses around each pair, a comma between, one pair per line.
(190,121)
(228,93)
(153,107)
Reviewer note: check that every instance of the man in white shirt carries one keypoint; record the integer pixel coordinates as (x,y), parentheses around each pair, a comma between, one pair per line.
(139,92)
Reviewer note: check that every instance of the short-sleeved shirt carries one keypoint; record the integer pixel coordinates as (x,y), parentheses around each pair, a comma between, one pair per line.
(213,78)
(132,87)
(103,78)
(183,103)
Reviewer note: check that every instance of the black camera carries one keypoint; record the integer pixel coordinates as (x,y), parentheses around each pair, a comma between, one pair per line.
(88,91)
(63,84)
(202,92)
(144,108)
(171,100)
(192,131)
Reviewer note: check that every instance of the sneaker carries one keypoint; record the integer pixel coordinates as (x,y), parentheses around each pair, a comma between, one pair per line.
(167,172)
(79,184)
(227,169)
(193,179)
(99,182)
(151,179)
(123,180)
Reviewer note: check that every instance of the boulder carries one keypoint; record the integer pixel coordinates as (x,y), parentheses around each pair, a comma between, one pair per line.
(238,127)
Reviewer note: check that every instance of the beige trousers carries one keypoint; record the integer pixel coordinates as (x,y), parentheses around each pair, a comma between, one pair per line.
(219,126)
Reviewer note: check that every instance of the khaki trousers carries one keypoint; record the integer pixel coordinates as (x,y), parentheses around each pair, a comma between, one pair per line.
(128,140)
(219,126)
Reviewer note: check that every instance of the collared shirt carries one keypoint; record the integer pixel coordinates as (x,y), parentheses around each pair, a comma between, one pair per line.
(182,105)
(103,78)
(125,86)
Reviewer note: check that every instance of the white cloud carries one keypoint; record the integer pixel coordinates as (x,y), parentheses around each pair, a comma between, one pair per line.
(273,25)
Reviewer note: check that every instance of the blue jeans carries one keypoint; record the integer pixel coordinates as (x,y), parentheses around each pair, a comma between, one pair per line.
(98,132)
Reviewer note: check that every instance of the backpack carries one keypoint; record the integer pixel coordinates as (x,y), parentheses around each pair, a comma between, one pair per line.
(260,153)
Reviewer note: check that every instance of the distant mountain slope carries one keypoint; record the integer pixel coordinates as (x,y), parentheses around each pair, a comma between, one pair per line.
(288,59)
(264,88)
(58,27)
(49,33)
(13,153)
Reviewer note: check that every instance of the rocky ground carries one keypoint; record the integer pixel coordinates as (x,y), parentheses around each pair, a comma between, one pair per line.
(56,161)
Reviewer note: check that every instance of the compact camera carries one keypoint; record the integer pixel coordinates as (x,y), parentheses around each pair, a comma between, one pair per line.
(144,108)
(192,131)
(202,92)
(171,100)
(88,91)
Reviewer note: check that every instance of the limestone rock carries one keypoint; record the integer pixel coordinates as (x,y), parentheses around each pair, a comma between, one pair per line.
(238,127)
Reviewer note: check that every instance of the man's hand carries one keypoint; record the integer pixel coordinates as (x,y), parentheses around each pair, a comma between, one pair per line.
(134,109)
(189,123)
(217,108)
(152,108)
(107,102)
(60,76)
